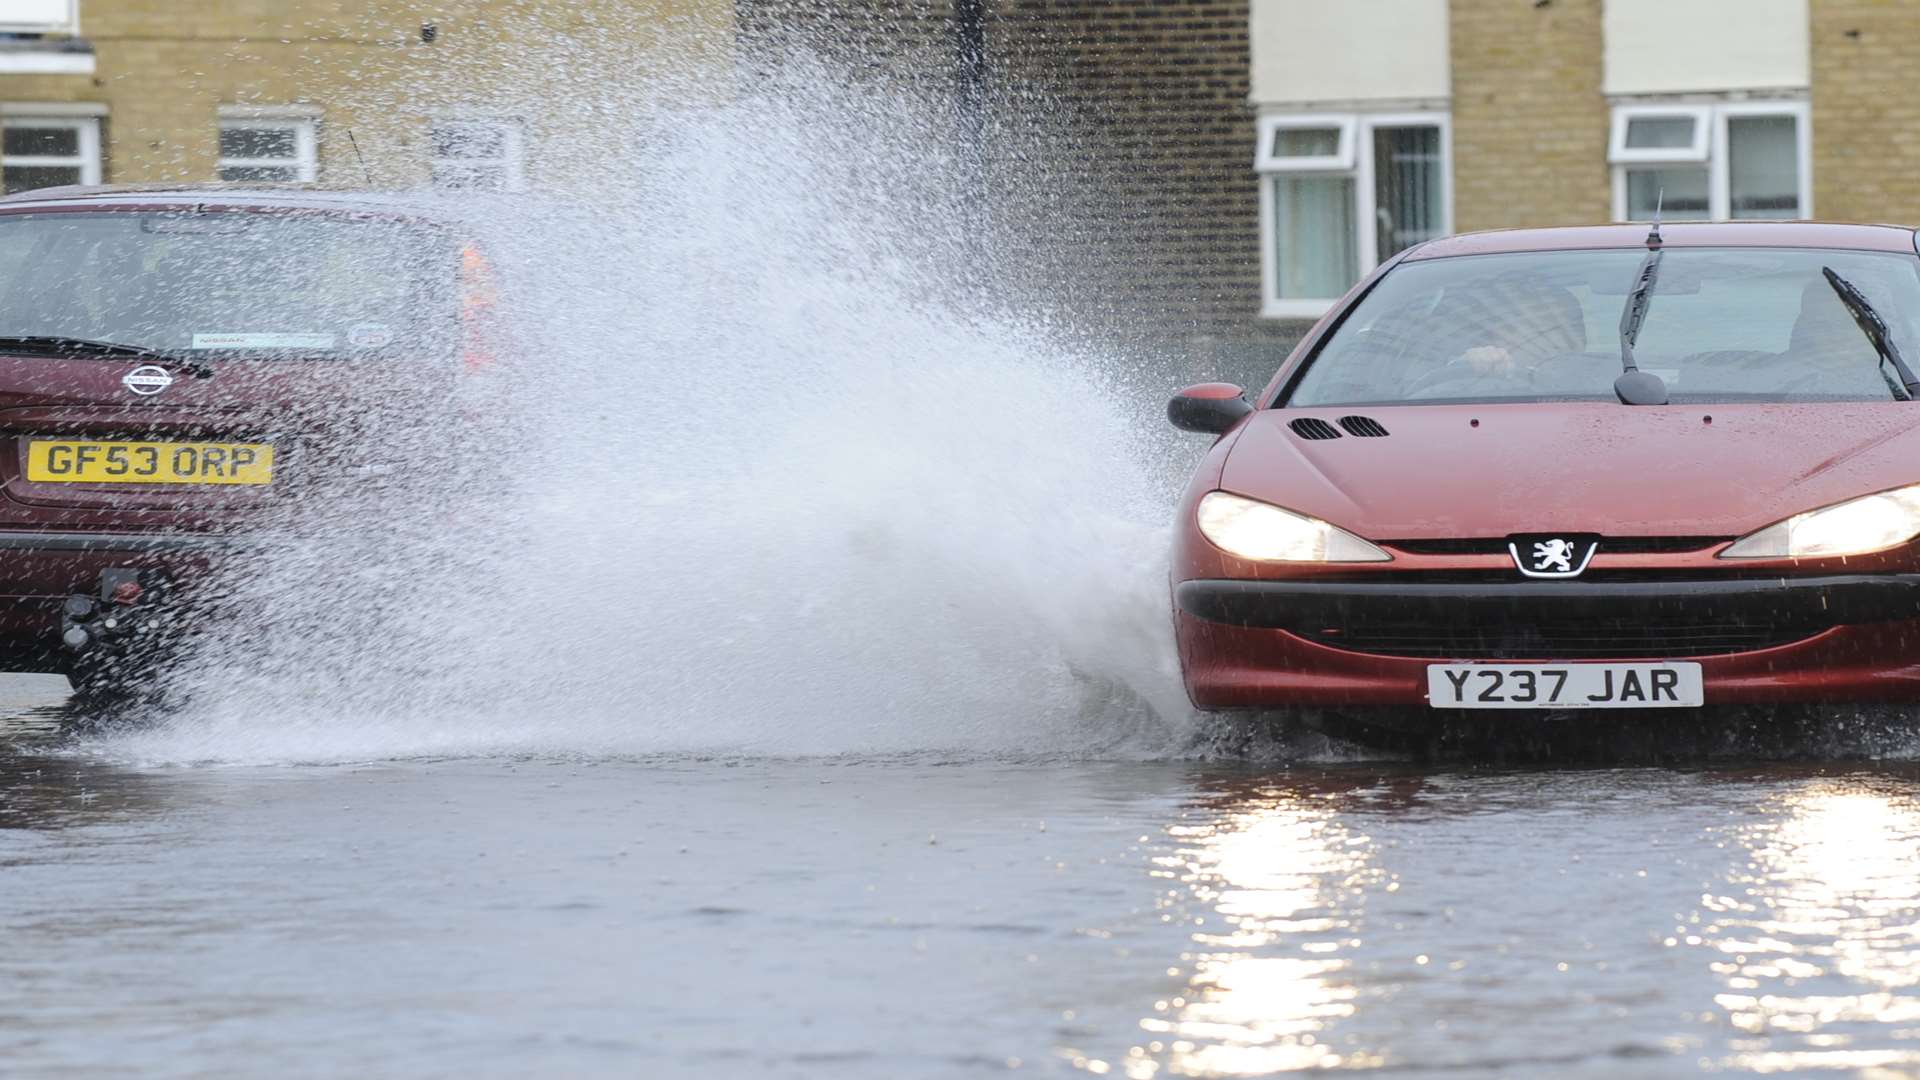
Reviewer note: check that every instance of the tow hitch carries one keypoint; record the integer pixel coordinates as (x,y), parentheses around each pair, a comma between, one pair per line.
(127,610)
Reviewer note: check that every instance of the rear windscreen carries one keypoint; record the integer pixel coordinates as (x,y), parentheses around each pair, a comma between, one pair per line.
(271,285)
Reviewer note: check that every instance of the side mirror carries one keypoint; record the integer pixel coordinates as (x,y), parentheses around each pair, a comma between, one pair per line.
(1209,408)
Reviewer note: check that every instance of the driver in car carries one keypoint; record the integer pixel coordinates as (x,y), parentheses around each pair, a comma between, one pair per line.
(1522,322)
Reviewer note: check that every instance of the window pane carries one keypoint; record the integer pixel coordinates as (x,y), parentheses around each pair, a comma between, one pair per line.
(256,142)
(1315,251)
(268,173)
(1406,180)
(1306,142)
(1763,166)
(23,141)
(469,141)
(469,177)
(1684,188)
(1659,132)
(28,177)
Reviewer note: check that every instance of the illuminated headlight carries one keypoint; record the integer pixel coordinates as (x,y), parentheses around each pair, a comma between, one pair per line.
(1255,530)
(1856,527)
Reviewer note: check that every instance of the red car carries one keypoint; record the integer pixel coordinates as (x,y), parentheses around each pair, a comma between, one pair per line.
(180,366)
(1610,467)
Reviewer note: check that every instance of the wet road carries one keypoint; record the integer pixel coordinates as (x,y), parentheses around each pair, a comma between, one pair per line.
(917,916)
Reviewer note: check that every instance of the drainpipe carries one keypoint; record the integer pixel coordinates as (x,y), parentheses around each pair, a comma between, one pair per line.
(970,119)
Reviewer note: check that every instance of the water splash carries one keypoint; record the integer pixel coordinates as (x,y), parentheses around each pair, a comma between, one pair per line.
(779,472)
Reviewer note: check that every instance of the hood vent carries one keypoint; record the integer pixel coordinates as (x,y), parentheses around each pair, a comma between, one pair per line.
(1312,427)
(1364,427)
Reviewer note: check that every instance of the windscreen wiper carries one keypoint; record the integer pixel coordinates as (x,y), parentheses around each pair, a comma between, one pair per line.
(85,347)
(1636,387)
(1872,325)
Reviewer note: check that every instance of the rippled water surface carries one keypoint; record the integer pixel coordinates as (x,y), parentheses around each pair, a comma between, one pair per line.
(916,915)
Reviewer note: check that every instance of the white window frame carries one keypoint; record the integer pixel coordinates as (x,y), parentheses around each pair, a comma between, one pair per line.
(306,139)
(67,21)
(1620,154)
(1711,128)
(513,147)
(1354,161)
(84,121)
(1265,160)
(47,62)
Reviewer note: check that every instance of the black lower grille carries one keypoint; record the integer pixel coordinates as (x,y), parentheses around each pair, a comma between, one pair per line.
(1559,620)
(1573,641)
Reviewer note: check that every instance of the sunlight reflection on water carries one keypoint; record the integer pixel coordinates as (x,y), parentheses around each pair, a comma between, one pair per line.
(1284,876)
(1823,948)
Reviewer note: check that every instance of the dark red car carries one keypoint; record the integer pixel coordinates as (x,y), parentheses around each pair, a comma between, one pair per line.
(1605,467)
(181,366)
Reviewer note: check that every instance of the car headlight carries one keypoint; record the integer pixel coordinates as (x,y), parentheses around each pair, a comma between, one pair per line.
(1256,530)
(1855,527)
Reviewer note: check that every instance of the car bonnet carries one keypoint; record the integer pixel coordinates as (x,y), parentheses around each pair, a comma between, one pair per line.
(1458,471)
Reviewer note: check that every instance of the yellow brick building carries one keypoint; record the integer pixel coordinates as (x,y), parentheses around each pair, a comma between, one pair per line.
(1380,123)
(1253,158)
(469,93)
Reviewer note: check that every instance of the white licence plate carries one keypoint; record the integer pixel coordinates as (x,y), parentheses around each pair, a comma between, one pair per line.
(1564,686)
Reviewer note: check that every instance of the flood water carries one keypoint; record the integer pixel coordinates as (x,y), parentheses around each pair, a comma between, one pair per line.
(922,915)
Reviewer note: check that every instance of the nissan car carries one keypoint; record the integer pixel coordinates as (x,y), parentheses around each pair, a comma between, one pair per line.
(181,365)
(1621,467)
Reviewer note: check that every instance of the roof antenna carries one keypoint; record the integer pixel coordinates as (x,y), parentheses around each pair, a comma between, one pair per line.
(368,173)
(1653,235)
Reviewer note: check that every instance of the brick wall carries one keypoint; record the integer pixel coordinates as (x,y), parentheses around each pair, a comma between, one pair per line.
(1162,216)
(1117,148)
(1529,119)
(1866,115)
(892,40)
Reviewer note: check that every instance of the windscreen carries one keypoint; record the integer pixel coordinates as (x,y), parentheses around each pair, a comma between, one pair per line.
(1725,324)
(264,285)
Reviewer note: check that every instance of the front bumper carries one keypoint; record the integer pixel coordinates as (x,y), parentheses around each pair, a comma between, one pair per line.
(1837,638)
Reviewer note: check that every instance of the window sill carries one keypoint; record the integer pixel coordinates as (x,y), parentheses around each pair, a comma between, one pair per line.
(1295,309)
(64,57)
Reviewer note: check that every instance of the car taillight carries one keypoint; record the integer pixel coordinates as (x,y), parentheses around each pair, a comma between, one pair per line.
(479,317)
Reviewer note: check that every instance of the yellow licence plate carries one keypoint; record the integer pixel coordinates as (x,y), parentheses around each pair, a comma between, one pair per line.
(85,461)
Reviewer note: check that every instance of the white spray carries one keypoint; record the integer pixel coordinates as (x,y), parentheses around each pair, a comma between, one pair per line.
(780,476)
